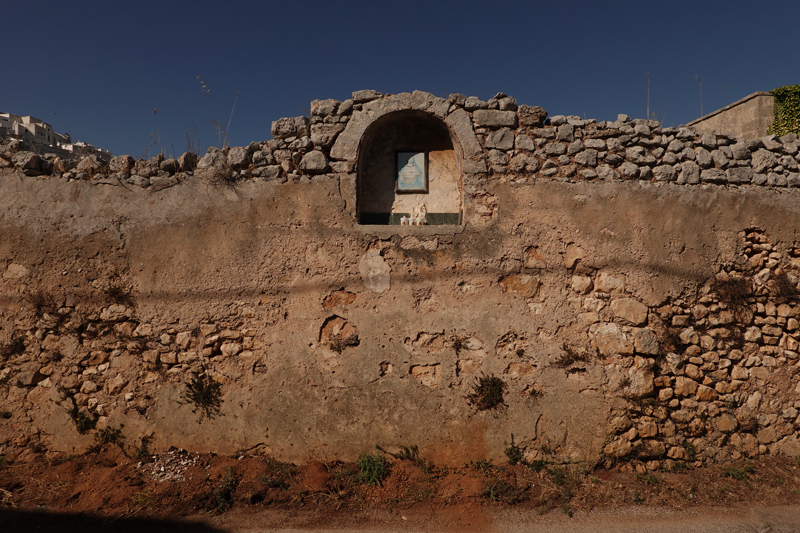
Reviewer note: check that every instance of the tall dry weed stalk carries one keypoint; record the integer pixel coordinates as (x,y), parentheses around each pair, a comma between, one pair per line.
(215,121)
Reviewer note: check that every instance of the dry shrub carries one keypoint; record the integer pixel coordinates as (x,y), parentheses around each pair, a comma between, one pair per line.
(42,303)
(570,357)
(735,292)
(782,286)
(16,346)
(119,295)
(487,393)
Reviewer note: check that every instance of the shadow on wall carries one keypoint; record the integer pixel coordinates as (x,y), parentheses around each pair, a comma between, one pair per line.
(398,279)
(79,523)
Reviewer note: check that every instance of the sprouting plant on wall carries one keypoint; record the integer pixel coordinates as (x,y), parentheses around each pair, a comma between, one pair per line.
(16,346)
(487,393)
(84,422)
(786,110)
(109,435)
(782,286)
(514,453)
(142,451)
(458,344)
(735,291)
(205,393)
(42,303)
(119,294)
(158,135)
(570,357)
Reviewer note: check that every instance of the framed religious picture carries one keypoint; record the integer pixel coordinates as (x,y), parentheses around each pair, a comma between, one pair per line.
(411,172)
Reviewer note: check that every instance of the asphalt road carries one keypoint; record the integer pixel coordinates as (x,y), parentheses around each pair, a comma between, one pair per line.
(629,520)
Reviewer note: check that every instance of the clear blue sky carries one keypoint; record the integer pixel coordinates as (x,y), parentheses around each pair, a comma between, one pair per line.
(103,66)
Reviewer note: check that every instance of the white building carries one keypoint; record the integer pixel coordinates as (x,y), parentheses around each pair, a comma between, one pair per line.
(41,133)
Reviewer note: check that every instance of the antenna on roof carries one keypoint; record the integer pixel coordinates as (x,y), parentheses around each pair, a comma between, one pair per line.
(701,94)
(72,137)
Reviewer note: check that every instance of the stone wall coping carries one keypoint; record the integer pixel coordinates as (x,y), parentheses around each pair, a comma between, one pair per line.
(728,107)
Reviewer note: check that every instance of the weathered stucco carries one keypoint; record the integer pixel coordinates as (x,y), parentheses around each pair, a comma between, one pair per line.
(600,303)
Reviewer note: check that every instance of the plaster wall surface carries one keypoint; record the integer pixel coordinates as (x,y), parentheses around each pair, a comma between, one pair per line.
(263,259)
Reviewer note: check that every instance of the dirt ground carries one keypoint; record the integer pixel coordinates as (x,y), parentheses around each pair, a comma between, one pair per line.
(107,489)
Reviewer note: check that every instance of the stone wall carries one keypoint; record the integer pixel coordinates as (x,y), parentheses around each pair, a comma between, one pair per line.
(634,288)
(748,118)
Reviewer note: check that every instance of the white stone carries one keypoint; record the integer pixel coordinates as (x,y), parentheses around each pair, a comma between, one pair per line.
(630,310)
(15,271)
(609,339)
(606,282)
(582,284)
(230,348)
(375,272)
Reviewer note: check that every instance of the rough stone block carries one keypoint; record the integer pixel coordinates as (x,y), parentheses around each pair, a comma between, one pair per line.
(645,341)
(314,162)
(290,127)
(565,133)
(531,116)
(366,95)
(494,118)
(740,175)
(587,158)
(375,272)
(502,139)
(665,173)
(609,340)
(630,310)
(690,173)
(522,284)
(685,386)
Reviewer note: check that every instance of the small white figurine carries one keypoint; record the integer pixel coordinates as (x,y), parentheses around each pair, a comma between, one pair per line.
(418,215)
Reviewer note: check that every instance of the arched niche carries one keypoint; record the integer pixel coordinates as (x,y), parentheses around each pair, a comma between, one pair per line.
(389,147)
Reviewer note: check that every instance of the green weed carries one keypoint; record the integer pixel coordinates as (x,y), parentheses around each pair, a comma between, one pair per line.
(109,435)
(411,454)
(223,492)
(84,422)
(514,454)
(648,479)
(484,466)
(737,473)
(690,450)
(142,453)
(143,499)
(273,482)
(372,468)
(537,466)
(501,490)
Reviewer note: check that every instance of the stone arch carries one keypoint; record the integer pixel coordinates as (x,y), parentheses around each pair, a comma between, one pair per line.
(386,125)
